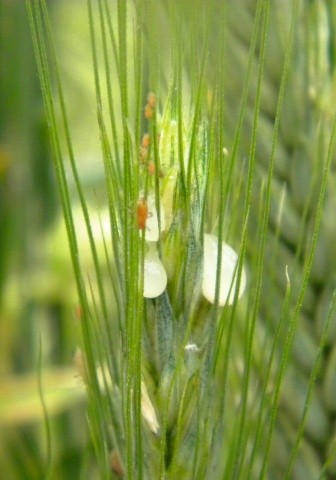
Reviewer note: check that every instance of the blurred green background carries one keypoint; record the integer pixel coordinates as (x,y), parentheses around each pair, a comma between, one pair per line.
(37,293)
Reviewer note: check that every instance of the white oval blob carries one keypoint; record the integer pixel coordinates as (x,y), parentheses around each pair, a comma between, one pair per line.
(155,276)
(227,272)
(152,232)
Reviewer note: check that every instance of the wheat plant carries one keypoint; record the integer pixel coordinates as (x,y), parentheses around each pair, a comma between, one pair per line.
(207,336)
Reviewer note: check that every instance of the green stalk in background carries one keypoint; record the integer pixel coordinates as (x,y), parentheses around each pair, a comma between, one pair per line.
(217,136)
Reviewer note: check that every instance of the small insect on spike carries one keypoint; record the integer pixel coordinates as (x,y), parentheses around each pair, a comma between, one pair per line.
(116,465)
(142,213)
(148,112)
(146,140)
(151,168)
(151,100)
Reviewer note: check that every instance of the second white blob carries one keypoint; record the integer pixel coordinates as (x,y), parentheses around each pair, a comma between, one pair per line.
(227,272)
(155,276)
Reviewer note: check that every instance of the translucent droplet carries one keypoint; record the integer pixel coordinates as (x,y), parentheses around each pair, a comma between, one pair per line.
(227,272)
(152,232)
(155,276)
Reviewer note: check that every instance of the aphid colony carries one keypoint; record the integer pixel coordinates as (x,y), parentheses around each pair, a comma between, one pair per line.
(144,156)
(155,276)
(150,106)
(142,209)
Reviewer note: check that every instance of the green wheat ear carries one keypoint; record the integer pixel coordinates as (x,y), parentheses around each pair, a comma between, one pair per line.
(217,130)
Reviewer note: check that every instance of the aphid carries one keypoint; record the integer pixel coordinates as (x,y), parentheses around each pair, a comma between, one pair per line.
(142,213)
(146,140)
(148,112)
(116,465)
(151,168)
(151,100)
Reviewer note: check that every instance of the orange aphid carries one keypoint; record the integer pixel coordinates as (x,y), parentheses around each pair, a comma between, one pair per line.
(145,142)
(151,100)
(148,112)
(151,168)
(116,464)
(142,213)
